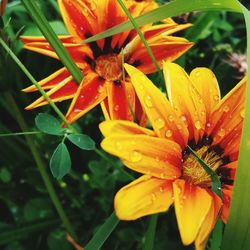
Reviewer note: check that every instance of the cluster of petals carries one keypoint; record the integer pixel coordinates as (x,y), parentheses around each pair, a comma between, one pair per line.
(194,115)
(101,61)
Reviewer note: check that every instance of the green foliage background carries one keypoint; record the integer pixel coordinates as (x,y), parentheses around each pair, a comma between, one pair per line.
(28,219)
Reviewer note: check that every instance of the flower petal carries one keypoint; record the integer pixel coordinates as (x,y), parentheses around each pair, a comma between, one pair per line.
(78,17)
(209,223)
(206,83)
(144,196)
(119,94)
(64,90)
(76,51)
(185,99)
(90,93)
(228,114)
(146,154)
(41,39)
(50,81)
(164,120)
(111,128)
(227,191)
(192,205)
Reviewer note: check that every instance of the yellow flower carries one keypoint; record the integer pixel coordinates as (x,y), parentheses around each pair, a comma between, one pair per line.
(194,115)
(101,61)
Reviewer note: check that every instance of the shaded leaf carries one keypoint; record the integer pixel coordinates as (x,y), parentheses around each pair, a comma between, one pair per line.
(60,162)
(49,124)
(82,141)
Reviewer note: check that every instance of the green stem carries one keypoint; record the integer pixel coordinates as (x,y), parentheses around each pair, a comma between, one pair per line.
(40,165)
(32,79)
(150,234)
(52,38)
(20,133)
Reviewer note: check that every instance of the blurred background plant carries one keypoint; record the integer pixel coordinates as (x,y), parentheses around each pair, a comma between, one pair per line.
(28,219)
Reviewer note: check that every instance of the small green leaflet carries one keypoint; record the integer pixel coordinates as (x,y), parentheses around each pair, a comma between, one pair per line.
(60,162)
(49,124)
(82,141)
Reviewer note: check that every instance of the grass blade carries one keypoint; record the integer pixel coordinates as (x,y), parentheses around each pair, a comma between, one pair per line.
(150,234)
(170,9)
(237,231)
(55,43)
(103,233)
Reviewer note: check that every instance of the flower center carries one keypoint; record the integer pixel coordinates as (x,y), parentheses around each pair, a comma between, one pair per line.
(194,172)
(109,67)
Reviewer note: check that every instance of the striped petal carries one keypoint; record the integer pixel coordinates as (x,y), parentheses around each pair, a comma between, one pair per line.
(144,196)
(146,154)
(164,120)
(192,206)
(90,93)
(185,99)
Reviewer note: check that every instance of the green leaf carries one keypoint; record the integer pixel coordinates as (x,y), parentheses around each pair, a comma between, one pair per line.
(237,233)
(60,162)
(5,175)
(49,124)
(102,233)
(217,236)
(150,234)
(82,141)
(173,8)
(57,240)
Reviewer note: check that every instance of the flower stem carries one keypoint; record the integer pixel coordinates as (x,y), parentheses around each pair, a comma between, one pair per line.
(40,165)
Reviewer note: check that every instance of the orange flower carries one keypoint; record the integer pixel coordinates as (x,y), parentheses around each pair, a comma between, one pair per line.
(101,61)
(194,115)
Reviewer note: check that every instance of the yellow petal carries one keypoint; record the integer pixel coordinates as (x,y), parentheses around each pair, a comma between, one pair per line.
(192,205)
(115,127)
(164,120)
(206,83)
(144,196)
(146,154)
(209,223)
(185,99)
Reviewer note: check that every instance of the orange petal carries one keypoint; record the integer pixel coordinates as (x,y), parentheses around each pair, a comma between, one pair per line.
(79,17)
(37,39)
(144,196)
(64,90)
(119,94)
(226,197)
(140,114)
(162,51)
(164,120)
(227,172)
(76,51)
(206,83)
(111,128)
(228,114)
(90,93)
(209,223)
(185,99)
(146,154)
(50,81)
(192,205)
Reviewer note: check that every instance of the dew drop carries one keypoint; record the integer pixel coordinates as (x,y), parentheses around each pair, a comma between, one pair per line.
(221,132)
(148,101)
(135,156)
(184,118)
(163,176)
(81,96)
(153,197)
(203,113)
(242,113)
(208,125)
(197,73)
(171,118)
(169,133)
(118,145)
(226,109)
(116,108)
(161,189)
(159,123)
(100,89)
(198,125)
(216,98)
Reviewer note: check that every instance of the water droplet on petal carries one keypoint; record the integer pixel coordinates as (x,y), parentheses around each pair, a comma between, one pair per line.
(161,189)
(226,109)
(203,113)
(163,176)
(242,113)
(118,145)
(148,101)
(221,132)
(208,125)
(169,133)
(159,123)
(171,118)
(216,97)
(81,96)
(135,156)
(116,108)
(179,127)
(100,89)
(198,125)
(197,73)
